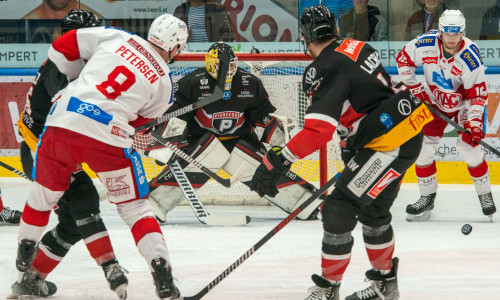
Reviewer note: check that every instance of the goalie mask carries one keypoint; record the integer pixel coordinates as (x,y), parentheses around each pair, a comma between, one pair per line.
(317,23)
(213,57)
(76,19)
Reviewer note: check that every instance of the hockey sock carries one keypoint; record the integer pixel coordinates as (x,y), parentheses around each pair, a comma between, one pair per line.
(1,202)
(426,177)
(96,238)
(379,244)
(481,178)
(335,255)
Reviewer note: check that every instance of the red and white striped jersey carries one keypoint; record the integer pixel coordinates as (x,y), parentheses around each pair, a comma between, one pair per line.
(123,84)
(455,83)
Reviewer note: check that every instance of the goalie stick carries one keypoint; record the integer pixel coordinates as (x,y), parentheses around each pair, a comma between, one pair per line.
(225,182)
(460,128)
(195,203)
(217,94)
(262,241)
(14,170)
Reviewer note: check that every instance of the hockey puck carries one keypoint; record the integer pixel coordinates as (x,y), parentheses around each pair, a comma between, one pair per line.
(466,229)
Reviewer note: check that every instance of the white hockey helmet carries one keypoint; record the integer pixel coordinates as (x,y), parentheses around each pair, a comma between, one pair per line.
(167,31)
(452,21)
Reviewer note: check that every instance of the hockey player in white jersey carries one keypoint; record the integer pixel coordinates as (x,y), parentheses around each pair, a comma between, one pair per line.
(124,83)
(454,74)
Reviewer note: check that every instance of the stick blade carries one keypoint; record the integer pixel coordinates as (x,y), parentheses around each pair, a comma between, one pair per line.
(213,220)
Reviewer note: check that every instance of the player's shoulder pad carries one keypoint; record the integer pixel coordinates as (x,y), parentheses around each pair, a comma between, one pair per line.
(471,55)
(426,40)
(350,48)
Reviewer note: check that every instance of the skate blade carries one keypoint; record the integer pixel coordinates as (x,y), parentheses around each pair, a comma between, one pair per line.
(121,291)
(23,297)
(424,216)
(490,217)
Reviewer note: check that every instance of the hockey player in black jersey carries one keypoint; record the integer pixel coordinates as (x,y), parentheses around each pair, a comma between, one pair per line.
(78,208)
(347,86)
(224,134)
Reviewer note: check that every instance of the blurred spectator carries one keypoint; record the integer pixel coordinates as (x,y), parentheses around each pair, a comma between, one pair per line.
(207,21)
(425,19)
(363,22)
(57,9)
(490,30)
(337,7)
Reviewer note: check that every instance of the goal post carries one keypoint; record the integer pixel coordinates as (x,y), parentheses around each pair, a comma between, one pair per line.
(281,75)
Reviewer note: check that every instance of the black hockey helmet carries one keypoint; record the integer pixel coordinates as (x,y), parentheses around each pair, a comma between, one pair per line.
(79,19)
(317,23)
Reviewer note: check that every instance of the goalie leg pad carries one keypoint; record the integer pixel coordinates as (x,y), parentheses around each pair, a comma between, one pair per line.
(291,195)
(165,192)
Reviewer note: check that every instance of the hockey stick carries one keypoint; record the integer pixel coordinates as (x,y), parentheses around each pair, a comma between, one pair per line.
(225,182)
(217,94)
(461,129)
(14,170)
(195,203)
(262,241)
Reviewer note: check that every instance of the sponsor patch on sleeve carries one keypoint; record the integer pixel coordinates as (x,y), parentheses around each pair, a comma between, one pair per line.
(351,48)
(470,60)
(425,41)
(475,49)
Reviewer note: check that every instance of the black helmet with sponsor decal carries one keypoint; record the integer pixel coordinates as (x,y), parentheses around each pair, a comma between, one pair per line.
(76,19)
(317,23)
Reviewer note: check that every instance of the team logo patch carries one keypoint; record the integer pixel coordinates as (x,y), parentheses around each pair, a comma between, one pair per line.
(446,84)
(227,121)
(386,179)
(447,100)
(351,48)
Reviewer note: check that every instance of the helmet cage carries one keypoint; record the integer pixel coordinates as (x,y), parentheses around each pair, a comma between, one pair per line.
(212,60)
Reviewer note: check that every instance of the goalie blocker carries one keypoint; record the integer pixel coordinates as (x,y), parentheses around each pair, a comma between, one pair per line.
(165,193)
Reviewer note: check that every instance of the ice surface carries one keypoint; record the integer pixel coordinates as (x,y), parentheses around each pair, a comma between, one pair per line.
(436,260)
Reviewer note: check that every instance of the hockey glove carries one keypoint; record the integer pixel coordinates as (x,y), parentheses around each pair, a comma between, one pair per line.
(273,165)
(474,132)
(419,92)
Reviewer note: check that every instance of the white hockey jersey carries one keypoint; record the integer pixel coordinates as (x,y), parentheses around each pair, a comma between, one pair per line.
(124,81)
(457,83)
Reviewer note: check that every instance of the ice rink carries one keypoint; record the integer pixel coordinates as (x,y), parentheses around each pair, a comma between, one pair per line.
(436,260)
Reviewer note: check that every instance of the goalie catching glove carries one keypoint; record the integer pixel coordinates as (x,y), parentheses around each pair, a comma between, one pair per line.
(474,132)
(273,165)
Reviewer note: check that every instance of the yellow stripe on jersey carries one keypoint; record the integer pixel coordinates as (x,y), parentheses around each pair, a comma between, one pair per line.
(402,132)
(26,133)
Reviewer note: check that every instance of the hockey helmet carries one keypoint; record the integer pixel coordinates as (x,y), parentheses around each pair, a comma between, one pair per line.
(215,54)
(452,21)
(317,23)
(167,31)
(76,18)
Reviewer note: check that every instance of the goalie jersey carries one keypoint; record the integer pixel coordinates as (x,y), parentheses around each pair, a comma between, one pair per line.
(347,85)
(237,116)
(454,83)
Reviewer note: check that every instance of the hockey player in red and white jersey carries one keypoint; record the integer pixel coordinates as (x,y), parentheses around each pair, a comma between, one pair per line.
(125,82)
(347,86)
(454,74)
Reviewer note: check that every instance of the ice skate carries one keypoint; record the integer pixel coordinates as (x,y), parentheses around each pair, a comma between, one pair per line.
(162,275)
(26,252)
(323,290)
(421,210)
(32,285)
(487,205)
(10,216)
(116,278)
(383,287)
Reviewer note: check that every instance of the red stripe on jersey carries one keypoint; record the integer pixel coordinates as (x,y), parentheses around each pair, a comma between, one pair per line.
(314,134)
(351,48)
(44,264)
(381,259)
(35,217)
(334,269)
(139,121)
(143,227)
(349,117)
(426,171)
(67,44)
(203,118)
(477,90)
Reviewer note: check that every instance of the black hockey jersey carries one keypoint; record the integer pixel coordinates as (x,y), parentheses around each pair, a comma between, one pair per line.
(248,103)
(47,83)
(347,85)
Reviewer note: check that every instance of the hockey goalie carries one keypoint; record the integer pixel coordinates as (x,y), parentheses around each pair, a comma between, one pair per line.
(228,133)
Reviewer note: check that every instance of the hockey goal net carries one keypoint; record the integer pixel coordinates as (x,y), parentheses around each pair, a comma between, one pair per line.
(281,75)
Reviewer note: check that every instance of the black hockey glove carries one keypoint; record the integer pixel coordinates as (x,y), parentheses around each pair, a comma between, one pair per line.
(273,165)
